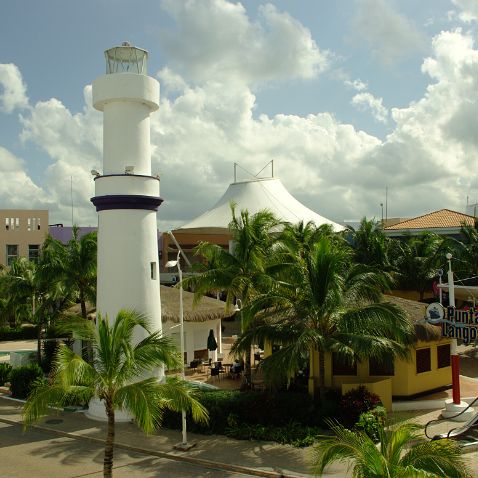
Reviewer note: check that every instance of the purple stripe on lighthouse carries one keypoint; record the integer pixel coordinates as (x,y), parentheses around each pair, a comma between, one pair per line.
(126,201)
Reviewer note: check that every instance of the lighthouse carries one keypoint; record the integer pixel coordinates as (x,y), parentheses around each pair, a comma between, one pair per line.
(126,194)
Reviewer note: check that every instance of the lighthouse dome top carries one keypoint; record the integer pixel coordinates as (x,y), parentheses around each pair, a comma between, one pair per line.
(126,59)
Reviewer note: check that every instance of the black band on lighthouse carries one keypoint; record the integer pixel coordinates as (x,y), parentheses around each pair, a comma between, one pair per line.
(126,201)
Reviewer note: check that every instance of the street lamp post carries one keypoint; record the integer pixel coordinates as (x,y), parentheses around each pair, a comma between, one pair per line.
(184,445)
(455,358)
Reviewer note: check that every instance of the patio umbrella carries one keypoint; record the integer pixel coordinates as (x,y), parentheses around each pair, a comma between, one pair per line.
(211,341)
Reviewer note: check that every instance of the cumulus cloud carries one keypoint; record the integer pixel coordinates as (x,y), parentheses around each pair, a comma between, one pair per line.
(73,142)
(14,94)
(390,35)
(17,190)
(209,121)
(468,10)
(215,39)
(365,101)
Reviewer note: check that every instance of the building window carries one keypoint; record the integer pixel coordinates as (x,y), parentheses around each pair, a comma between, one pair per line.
(343,367)
(7,223)
(38,223)
(424,362)
(384,367)
(33,252)
(12,253)
(443,355)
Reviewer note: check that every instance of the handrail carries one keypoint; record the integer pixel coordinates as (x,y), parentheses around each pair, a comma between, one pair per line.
(437,420)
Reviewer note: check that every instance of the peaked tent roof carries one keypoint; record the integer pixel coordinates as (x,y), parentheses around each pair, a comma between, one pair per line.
(444,218)
(256,195)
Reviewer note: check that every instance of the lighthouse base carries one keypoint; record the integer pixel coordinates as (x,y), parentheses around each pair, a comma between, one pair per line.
(96,411)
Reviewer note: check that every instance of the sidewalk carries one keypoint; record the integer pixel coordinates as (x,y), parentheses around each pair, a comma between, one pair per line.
(262,459)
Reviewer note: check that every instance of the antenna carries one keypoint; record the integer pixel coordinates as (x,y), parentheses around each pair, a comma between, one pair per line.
(71,198)
(386,203)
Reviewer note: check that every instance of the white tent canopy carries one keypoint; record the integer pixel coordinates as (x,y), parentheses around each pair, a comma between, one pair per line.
(256,195)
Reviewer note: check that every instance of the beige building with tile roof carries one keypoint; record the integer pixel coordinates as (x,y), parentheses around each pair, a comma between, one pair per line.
(444,222)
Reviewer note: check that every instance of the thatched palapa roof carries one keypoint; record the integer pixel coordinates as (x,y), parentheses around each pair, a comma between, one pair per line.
(206,309)
(416,313)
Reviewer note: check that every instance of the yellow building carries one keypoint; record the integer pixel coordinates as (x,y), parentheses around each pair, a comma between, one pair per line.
(428,367)
(22,232)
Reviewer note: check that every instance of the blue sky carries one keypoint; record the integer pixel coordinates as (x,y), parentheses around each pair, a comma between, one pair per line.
(347,97)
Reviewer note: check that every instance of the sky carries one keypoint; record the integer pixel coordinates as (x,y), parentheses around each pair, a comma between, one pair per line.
(350,99)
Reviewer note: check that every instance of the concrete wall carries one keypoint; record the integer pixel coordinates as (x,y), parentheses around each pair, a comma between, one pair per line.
(21,227)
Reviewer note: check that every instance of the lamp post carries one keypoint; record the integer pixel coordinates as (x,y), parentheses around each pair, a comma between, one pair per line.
(455,358)
(184,445)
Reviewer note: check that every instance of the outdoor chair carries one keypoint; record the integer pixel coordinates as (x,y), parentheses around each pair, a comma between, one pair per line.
(215,372)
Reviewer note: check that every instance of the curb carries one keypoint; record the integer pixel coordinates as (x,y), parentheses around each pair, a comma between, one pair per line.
(161,454)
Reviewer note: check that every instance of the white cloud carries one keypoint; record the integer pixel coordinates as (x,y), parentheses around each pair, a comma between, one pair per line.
(390,35)
(469,10)
(357,85)
(73,142)
(14,93)
(17,190)
(366,101)
(216,40)
(430,159)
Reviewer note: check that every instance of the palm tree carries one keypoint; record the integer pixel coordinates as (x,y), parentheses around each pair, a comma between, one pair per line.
(113,377)
(467,252)
(402,453)
(75,264)
(324,303)
(371,246)
(419,260)
(241,273)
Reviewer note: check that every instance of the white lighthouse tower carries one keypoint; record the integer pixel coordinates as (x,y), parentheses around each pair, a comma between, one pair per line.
(126,194)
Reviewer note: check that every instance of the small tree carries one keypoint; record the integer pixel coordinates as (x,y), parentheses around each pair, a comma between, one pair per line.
(114,377)
(402,453)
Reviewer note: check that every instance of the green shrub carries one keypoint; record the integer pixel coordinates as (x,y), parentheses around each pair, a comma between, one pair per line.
(354,403)
(19,333)
(22,380)
(5,369)
(256,415)
(294,434)
(371,422)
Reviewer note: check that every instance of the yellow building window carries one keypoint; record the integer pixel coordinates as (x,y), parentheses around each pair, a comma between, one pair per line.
(342,367)
(424,361)
(443,356)
(381,367)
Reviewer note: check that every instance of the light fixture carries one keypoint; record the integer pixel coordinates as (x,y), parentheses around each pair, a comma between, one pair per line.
(129,169)
(94,173)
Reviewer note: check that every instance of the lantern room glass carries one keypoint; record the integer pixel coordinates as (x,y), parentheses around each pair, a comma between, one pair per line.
(126,59)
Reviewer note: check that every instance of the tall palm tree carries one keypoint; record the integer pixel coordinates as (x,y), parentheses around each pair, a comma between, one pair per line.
(402,453)
(116,377)
(241,273)
(419,260)
(324,303)
(467,252)
(75,264)
(371,246)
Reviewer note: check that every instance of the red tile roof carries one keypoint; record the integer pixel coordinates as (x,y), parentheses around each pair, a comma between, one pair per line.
(444,218)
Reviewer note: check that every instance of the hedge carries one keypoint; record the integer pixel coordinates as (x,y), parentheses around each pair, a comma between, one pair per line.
(286,417)
(19,333)
(22,380)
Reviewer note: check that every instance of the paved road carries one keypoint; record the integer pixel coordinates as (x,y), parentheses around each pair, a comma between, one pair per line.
(41,454)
